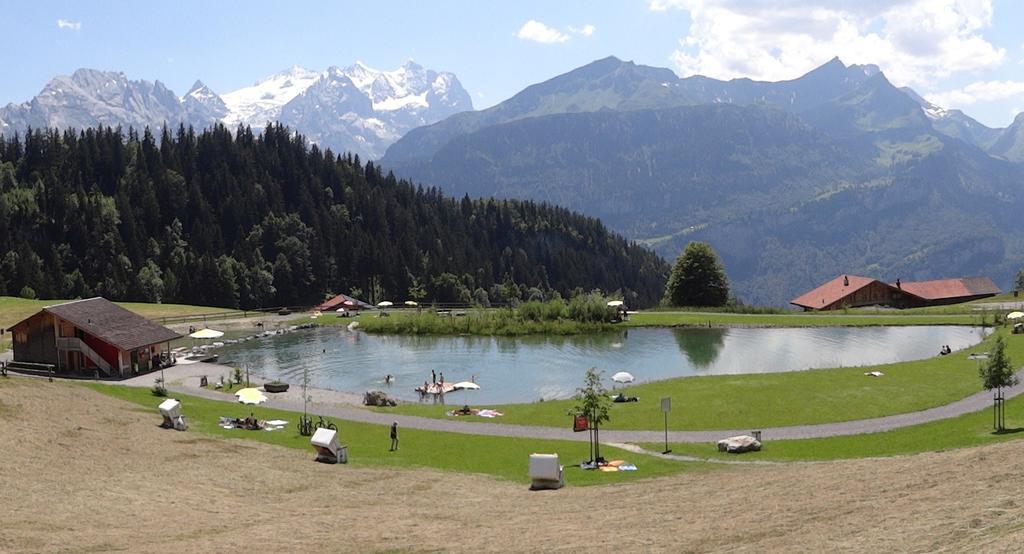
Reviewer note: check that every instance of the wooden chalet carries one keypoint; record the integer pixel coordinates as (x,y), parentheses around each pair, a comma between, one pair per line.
(91,337)
(343,301)
(851,291)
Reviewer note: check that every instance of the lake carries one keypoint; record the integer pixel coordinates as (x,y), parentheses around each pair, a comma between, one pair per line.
(525,369)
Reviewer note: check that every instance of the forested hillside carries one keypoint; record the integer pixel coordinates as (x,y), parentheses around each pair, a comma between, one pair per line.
(792,183)
(243,219)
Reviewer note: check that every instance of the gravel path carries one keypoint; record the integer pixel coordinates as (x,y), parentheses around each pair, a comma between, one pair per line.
(342,408)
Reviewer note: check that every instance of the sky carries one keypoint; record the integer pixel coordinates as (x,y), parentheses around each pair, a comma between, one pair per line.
(966,54)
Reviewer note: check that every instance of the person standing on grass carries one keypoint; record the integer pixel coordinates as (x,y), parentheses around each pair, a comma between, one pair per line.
(394,436)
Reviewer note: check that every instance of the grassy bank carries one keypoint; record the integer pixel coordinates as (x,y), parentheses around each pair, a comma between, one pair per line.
(810,319)
(491,322)
(368,444)
(959,432)
(774,399)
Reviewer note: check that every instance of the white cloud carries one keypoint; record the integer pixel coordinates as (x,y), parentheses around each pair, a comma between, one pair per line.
(913,41)
(68,24)
(586,30)
(538,32)
(980,91)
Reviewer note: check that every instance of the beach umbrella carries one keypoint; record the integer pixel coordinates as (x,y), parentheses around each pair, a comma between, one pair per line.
(466,385)
(1014,315)
(411,303)
(623,377)
(385,304)
(250,396)
(614,303)
(207,334)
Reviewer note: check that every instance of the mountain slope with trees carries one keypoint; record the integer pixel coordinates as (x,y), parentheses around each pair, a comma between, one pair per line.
(242,219)
(792,183)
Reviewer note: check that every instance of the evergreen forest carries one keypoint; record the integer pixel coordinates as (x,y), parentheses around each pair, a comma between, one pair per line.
(243,219)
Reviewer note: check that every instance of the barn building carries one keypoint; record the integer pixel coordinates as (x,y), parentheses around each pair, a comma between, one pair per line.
(852,291)
(91,337)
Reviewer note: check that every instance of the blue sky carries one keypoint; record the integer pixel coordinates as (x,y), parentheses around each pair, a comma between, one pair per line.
(967,54)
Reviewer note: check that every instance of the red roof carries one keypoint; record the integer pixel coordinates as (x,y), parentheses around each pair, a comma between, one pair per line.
(832,291)
(339,302)
(952,288)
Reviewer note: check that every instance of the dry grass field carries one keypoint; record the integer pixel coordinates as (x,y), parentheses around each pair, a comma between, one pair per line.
(85,472)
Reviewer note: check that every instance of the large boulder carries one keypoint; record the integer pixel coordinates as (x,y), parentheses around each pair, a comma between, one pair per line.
(378,398)
(739,444)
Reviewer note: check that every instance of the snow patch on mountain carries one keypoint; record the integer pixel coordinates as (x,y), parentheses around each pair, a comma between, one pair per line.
(262,102)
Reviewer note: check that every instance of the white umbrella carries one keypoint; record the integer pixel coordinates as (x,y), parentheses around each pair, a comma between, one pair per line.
(614,303)
(466,385)
(1014,315)
(207,334)
(411,303)
(385,304)
(623,377)
(250,396)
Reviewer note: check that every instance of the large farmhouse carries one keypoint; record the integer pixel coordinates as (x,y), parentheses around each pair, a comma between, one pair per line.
(90,337)
(851,291)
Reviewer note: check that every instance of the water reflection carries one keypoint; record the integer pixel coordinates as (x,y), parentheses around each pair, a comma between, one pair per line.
(700,346)
(530,368)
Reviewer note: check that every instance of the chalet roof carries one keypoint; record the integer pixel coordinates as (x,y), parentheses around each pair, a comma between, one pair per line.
(338,301)
(111,323)
(951,288)
(832,291)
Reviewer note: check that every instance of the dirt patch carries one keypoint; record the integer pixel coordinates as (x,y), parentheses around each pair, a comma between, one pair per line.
(84,471)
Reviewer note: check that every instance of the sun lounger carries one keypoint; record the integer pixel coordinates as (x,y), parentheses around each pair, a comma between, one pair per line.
(170,409)
(546,472)
(328,451)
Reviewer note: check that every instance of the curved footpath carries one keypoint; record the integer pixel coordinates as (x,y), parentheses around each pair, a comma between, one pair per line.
(974,403)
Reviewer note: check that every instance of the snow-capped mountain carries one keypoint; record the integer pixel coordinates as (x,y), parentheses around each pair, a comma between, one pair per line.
(202,105)
(357,109)
(262,102)
(89,98)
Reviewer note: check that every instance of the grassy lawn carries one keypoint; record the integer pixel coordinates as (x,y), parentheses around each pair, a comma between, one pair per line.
(772,399)
(967,430)
(810,319)
(368,444)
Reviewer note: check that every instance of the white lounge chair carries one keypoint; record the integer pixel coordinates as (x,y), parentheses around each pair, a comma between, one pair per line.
(546,472)
(325,441)
(171,411)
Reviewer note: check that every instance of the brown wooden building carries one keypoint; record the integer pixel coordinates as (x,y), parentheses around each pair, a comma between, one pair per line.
(851,291)
(343,301)
(91,336)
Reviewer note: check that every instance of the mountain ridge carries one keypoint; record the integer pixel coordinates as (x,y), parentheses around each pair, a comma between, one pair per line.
(331,115)
(791,182)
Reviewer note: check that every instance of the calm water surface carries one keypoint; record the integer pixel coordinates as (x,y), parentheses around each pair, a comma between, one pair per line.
(524,369)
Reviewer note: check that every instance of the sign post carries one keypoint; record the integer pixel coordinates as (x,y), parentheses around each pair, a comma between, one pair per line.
(666,407)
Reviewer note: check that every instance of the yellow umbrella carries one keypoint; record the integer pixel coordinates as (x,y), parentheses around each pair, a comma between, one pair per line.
(250,396)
